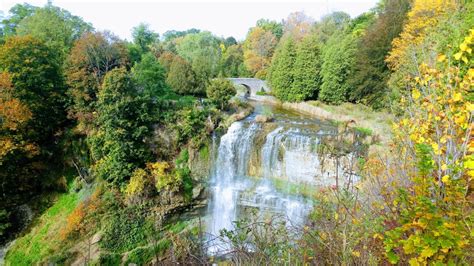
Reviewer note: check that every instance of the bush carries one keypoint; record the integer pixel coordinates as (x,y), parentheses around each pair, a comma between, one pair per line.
(220,91)
(124,230)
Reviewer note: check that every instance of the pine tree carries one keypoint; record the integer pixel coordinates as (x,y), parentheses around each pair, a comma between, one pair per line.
(281,72)
(307,79)
(338,64)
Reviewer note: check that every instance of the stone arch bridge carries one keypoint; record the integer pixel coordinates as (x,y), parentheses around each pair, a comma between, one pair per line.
(253,85)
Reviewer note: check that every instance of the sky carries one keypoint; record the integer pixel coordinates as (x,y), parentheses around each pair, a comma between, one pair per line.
(223,18)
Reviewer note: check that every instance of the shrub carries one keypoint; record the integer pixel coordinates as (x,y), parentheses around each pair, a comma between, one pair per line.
(220,91)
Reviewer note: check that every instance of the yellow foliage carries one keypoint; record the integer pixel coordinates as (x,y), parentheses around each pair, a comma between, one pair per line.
(137,183)
(436,136)
(423,15)
(163,179)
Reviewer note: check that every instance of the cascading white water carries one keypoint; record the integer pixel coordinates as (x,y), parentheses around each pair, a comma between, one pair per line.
(288,153)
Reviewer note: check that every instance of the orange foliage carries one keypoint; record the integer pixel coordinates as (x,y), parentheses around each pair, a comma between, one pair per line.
(81,219)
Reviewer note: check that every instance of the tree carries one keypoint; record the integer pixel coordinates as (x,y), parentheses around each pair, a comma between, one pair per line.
(181,77)
(202,51)
(32,97)
(371,73)
(338,61)
(92,56)
(17,13)
(229,41)
(55,26)
(281,75)
(149,75)
(307,67)
(297,25)
(258,50)
(166,59)
(331,24)
(123,122)
(143,37)
(220,91)
(274,27)
(232,59)
(173,34)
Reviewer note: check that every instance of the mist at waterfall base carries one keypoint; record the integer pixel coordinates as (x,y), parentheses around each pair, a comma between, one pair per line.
(288,153)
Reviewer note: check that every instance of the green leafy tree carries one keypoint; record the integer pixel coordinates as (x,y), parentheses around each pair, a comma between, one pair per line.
(55,26)
(281,74)
(307,67)
(338,63)
(150,76)
(32,115)
(118,145)
(202,51)
(371,73)
(331,24)
(232,60)
(143,37)
(220,91)
(181,77)
(16,14)
(270,25)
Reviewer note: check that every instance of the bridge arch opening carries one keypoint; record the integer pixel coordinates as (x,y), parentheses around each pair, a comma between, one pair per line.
(243,89)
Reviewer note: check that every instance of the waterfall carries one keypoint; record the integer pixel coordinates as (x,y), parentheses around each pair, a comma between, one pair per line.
(288,154)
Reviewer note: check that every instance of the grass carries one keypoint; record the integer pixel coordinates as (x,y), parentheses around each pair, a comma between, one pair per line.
(43,239)
(367,120)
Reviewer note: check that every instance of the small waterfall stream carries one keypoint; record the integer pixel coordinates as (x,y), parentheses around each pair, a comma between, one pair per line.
(284,150)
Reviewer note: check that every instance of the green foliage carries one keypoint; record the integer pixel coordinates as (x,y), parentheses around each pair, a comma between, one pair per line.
(117,146)
(124,230)
(281,75)
(181,77)
(203,52)
(109,259)
(55,26)
(92,56)
(190,124)
(307,79)
(270,25)
(331,24)
(143,37)
(232,61)
(150,76)
(338,58)
(371,73)
(295,72)
(4,222)
(32,90)
(142,256)
(17,13)
(220,91)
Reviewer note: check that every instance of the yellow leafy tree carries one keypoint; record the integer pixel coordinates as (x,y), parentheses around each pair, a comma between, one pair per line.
(258,50)
(423,15)
(433,214)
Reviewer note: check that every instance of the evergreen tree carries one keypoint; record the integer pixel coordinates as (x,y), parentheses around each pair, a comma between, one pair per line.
(338,61)
(307,79)
(281,72)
